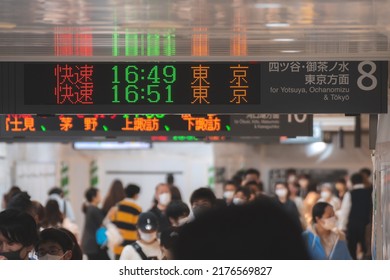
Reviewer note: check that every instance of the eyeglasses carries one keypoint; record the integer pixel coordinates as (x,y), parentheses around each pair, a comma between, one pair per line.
(51,251)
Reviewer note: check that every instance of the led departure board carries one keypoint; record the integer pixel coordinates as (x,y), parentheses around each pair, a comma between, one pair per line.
(349,87)
(156,124)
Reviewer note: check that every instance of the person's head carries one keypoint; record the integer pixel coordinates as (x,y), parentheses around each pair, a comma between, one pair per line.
(255,188)
(281,190)
(177,213)
(326,191)
(341,185)
(229,189)
(323,216)
(54,244)
(39,213)
(147,226)
(7,197)
(77,252)
(163,195)
(115,194)
(202,200)
(242,196)
(21,202)
(294,189)
(304,181)
(170,179)
(356,179)
(366,172)
(261,230)
(53,216)
(132,191)
(168,238)
(92,195)
(252,174)
(56,190)
(18,234)
(291,176)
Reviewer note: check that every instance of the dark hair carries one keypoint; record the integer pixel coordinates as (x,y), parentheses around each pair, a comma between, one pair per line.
(53,216)
(291,171)
(11,193)
(304,176)
(21,202)
(56,190)
(259,186)
(319,210)
(230,182)
(114,195)
(55,235)
(203,193)
(170,179)
(312,187)
(252,171)
(341,180)
(38,211)
(91,193)
(132,190)
(268,233)
(245,191)
(366,171)
(176,209)
(356,178)
(77,252)
(18,227)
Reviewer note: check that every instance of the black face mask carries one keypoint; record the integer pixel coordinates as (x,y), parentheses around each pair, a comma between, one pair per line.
(200,211)
(14,255)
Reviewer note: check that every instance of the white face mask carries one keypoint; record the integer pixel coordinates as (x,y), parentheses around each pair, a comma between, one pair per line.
(182,221)
(281,193)
(238,201)
(148,237)
(164,198)
(329,223)
(228,194)
(325,195)
(51,257)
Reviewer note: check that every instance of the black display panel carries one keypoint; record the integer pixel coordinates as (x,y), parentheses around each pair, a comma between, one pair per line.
(291,125)
(349,87)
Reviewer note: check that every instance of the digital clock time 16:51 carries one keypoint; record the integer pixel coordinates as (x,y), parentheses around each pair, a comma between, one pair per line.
(153,84)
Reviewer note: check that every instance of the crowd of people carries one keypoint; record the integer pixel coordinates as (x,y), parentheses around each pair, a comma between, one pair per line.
(298,219)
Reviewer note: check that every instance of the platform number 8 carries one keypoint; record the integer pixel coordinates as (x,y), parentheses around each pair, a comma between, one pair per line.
(367,75)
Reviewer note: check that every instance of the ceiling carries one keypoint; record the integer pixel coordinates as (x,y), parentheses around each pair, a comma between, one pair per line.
(36,30)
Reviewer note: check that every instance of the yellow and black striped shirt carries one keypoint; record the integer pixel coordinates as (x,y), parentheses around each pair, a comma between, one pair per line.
(126,218)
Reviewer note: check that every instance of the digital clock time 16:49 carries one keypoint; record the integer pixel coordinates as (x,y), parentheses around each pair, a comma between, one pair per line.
(133,84)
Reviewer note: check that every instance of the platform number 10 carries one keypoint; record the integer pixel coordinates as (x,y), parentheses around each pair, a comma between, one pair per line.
(367,76)
(297,118)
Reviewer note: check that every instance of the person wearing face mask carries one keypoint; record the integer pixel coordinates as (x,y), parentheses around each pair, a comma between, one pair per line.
(229,189)
(18,234)
(162,198)
(242,196)
(148,246)
(323,240)
(54,244)
(202,200)
(328,196)
(177,213)
(282,197)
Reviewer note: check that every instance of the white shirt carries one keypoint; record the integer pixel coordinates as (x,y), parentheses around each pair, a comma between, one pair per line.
(345,208)
(151,250)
